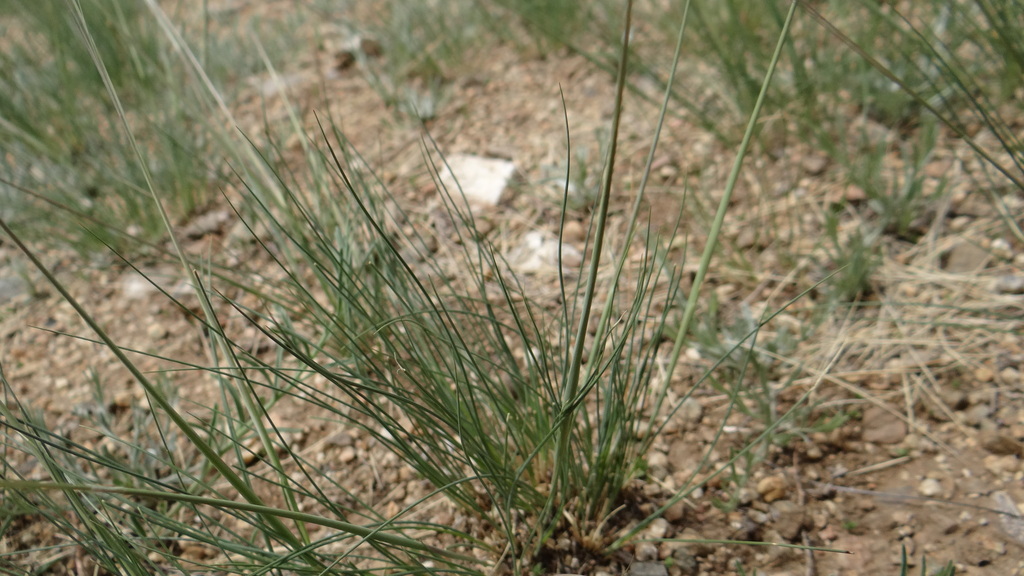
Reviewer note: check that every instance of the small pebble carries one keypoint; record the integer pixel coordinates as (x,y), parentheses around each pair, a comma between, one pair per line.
(1011,376)
(984,374)
(1001,466)
(881,427)
(124,399)
(813,453)
(1001,247)
(691,411)
(657,529)
(574,232)
(347,454)
(1002,445)
(976,414)
(685,562)
(790,520)
(772,488)
(156,332)
(646,551)
(657,460)
(930,488)
(815,164)
(676,512)
(648,569)
(1010,284)
(854,194)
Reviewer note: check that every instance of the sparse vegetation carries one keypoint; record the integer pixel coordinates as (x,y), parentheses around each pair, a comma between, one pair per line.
(502,421)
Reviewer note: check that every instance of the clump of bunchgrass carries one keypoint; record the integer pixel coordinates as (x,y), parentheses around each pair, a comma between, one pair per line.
(484,394)
(494,401)
(61,134)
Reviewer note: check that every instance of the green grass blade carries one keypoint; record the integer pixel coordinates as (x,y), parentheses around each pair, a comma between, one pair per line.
(260,509)
(716,227)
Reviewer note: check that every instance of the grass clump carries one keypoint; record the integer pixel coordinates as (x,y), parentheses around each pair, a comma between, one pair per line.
(63,145)
(64,148)
(485,395)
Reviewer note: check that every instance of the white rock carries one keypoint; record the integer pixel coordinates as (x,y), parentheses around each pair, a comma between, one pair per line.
(657,460)
(484,181)
(1010,284)
(657,529)
(646,551)
(135,287)
(539,251)
(347,454)
(930,488)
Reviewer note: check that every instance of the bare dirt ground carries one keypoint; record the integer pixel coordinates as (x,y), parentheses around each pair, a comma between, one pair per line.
(931,374)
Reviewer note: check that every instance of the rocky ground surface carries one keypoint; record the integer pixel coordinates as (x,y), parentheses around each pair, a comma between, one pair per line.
(931,376)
